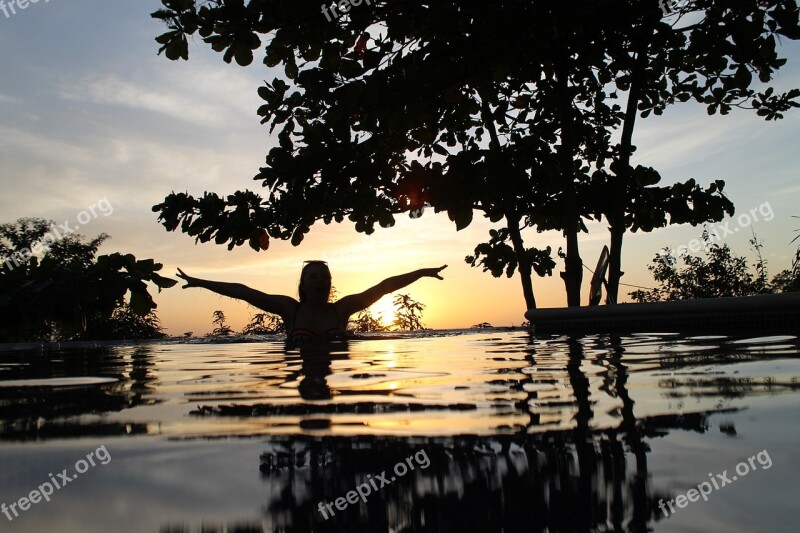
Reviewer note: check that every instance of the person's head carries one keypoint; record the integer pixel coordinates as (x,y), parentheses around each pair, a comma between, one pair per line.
(315,282)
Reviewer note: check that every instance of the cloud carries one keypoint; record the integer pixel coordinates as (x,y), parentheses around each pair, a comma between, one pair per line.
(686,138)
(5,99)
(114,91)
(206,95)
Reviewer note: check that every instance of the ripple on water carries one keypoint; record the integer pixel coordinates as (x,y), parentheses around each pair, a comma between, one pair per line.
(765,340)
(400,385)
(82,381)
(588,431)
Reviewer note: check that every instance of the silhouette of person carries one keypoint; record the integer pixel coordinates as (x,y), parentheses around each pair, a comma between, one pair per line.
(314,315)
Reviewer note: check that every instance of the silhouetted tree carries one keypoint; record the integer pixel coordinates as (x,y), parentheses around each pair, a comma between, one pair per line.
(505,108)
(54,286)
(222,329)
(786,281)
(124,324)
(720,273)
(796,259)
(365,322)
(264,324)
(408,313)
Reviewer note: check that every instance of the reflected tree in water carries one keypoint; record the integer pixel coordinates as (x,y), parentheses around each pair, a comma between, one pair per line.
(50,411)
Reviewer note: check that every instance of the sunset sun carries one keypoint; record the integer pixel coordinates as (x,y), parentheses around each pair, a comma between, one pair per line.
(383,310)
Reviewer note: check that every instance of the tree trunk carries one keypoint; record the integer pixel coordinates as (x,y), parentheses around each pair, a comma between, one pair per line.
(573,265)
(614,263)
(619,188)
(512,218)
(524,266)
(573,268)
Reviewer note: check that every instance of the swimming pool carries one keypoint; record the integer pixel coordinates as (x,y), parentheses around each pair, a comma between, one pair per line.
(438,431)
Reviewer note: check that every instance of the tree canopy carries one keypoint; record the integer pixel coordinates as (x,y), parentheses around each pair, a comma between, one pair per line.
(66,290)
(520,110)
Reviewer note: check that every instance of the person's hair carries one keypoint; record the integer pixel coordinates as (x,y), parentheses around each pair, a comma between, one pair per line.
(301,292)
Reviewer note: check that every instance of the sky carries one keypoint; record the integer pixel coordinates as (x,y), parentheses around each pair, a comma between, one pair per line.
(96,128)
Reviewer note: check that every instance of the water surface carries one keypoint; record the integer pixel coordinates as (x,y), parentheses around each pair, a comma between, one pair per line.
(518,434)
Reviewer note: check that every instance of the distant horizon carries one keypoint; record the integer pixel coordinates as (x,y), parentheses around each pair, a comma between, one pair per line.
(237,336)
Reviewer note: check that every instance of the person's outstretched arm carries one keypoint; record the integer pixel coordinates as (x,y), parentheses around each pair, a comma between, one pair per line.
(277,304)
(354,303)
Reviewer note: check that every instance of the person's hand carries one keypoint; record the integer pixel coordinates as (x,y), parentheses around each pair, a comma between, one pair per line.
(433,272)
(190,281)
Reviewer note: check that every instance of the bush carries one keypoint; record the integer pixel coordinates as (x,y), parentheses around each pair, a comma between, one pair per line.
(720,273)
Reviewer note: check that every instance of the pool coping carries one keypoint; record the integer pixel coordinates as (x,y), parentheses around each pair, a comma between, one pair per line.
(768,313)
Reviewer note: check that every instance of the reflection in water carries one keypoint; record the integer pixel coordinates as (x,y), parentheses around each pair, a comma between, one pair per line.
(560,481)
(52,394)
(316,357)
(522,434)
(581,479)
(485,384)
